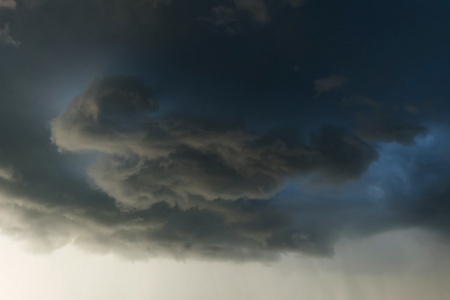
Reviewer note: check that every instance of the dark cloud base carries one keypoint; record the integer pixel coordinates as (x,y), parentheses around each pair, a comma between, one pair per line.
(154,171)
(202,188)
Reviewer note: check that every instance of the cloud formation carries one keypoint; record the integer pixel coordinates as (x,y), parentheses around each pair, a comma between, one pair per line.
(393,194)
(6,38)
(149,159)
(7,173)
(385,122)
(139,181)
(11,4)
(326,84)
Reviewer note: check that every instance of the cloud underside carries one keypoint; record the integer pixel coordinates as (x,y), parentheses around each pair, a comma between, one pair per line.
(135,180)
(183,186)
(147,159)
(198,186)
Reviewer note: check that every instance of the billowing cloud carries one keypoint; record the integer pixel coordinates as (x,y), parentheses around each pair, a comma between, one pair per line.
(166,184)
(150,159)
(394,193)
(138,181)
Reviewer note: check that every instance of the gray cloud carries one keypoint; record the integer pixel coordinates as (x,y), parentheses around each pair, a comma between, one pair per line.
(241,230)
(257,8)
(386,123)
(11,4)
(150,159)
(326,84)
(164,185)
(8,173)
(184,186)
(391,131)
(6,38)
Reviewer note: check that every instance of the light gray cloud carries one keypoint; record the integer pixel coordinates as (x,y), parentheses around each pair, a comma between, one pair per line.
(8,173)
(6,38)
(10,4)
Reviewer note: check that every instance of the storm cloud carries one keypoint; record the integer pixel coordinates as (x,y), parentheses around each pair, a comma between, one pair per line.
(150,159)
(232,139)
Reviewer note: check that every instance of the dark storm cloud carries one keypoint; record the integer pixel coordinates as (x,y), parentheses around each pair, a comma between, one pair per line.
(240,230)
(232,16)
(392,131)
(139,180)
(150,158)
(386,122)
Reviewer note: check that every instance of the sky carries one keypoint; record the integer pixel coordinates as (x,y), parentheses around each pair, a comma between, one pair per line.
(243,149)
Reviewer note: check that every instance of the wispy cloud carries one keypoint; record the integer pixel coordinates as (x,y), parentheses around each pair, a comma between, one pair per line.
(7,39)
(10,4)
(329,83)
(8,173)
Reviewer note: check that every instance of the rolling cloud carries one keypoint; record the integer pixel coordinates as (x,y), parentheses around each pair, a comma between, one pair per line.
(140,171)
(149,159)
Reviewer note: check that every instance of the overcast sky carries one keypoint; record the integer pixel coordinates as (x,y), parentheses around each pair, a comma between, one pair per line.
(188,149)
